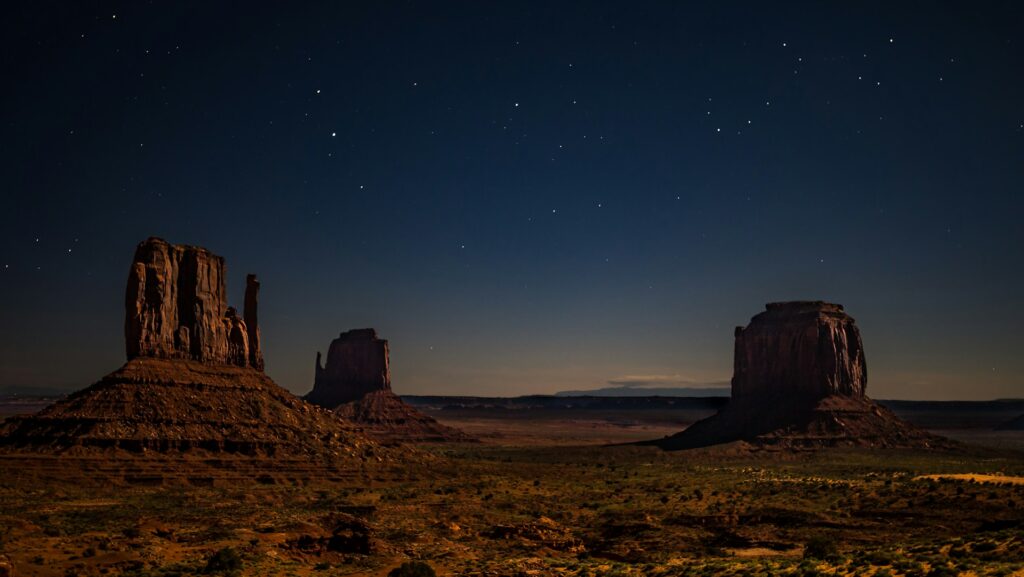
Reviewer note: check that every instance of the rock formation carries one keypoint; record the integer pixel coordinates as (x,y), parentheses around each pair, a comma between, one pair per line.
(806,350)
(176,308)
(179,406)
(193,382)
(356,384)
(799,381)
(357,364)
(252,290)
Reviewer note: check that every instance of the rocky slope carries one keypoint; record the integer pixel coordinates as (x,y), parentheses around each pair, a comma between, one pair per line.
(163,405)
(799,381)
(387,418)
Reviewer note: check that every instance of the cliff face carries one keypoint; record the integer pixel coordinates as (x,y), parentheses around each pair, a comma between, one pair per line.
(357,364)
(804,350)
(176,308)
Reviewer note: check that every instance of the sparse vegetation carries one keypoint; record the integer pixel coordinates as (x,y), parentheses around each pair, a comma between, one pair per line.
(820,547)
(225,560)
(412,569)
(536,510)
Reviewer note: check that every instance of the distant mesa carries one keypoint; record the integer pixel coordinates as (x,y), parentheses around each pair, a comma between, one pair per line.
(194,380)
(356,384)
(357,364)
(799,381)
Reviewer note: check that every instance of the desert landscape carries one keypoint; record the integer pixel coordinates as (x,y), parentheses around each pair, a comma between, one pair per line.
(586,288)
(190,460)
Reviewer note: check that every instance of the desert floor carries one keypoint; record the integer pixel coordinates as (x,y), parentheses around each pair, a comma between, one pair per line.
(542,497)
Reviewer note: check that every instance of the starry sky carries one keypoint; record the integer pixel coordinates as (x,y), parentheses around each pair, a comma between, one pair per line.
(524,197)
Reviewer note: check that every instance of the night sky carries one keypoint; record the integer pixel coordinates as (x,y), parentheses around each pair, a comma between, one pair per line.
(524,197)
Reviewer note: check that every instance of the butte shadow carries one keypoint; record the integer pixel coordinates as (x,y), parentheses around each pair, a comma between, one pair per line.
(799,383)
(356,385)
(193,384)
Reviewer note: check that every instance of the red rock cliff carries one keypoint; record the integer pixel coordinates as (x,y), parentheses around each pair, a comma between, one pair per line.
(799,350)
(176,308)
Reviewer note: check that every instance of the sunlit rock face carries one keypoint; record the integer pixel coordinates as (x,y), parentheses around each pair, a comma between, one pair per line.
(176,308)
(800,349)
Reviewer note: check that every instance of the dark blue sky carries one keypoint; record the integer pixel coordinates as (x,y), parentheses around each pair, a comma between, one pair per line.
(524,196)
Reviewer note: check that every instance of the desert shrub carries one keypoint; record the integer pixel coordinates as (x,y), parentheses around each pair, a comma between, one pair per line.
(984,547)
(942,571)
(227,560)
(880,558)
(413,569)
(820,547)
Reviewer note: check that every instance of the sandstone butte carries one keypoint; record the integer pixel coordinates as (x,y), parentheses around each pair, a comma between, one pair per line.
(193,383)
(799,381)
(356,385)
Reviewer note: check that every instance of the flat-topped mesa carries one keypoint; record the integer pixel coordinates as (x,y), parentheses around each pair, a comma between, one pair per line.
(799,383)
(176,308)
(805,350)
(357,364)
